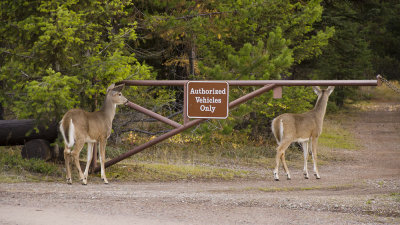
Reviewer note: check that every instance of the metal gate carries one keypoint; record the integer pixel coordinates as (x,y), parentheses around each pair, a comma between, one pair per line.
(266,85)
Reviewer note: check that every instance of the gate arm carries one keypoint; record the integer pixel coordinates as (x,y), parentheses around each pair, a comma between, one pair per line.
(153,114)
(182,128)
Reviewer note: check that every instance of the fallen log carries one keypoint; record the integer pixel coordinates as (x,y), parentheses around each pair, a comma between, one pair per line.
(18,132)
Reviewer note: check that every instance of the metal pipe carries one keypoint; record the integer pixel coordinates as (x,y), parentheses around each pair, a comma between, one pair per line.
(153,114)
(150,143)
(304,82)
(153,82)
(185,96)
(258,82)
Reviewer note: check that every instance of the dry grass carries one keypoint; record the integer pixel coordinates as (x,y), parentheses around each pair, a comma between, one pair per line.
(381,93)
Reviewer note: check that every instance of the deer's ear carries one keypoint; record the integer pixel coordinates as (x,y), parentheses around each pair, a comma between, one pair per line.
(110,87)
(330,89)
(119,87)
(317,90)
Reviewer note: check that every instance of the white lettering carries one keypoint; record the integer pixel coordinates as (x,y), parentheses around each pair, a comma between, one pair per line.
(202,91)
(209,108)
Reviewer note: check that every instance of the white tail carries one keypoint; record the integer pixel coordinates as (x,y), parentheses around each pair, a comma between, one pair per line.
(89,127)
(304,128)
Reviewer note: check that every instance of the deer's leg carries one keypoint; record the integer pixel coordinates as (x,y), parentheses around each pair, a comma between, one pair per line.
(75,155)
(89,160)
(305,153)
(280,150)
(102,160)
(285,166)
(314,156)
(67,160)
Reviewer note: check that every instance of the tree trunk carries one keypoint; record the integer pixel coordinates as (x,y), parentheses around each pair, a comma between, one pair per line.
(18,132)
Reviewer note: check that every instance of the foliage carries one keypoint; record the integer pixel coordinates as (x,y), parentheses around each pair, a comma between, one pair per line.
(58,55)
(347,57)
(231,39)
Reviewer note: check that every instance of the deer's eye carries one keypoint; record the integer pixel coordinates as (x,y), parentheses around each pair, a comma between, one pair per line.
(120,94)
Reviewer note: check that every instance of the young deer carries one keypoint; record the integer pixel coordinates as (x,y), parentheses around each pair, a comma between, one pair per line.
(79,127)
(304,128)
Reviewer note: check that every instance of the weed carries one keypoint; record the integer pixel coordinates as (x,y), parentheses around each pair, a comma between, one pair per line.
(11,160)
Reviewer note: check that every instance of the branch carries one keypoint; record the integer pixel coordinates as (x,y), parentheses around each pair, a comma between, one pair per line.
(202,14)
(146,132)
(24,56)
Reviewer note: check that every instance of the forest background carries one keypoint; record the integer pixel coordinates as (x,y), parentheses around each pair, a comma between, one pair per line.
(56,55)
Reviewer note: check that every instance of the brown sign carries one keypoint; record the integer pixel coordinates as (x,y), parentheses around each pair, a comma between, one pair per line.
(207,99)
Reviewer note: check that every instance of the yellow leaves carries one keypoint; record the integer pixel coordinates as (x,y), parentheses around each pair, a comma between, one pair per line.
(182,139)
(234,145)
(219,36)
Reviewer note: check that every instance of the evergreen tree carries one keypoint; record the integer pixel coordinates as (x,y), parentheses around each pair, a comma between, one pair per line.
(56,53)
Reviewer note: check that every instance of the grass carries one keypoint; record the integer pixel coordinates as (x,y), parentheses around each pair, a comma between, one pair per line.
(381,93)
(171,172)
(334,136)
(16,169)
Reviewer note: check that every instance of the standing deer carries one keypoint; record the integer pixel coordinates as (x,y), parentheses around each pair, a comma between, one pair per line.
(304,128)
(79,127)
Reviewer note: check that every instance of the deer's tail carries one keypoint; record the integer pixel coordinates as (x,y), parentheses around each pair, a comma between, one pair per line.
(68,129)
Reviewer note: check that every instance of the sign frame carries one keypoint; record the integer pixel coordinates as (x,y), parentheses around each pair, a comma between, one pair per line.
(188,99)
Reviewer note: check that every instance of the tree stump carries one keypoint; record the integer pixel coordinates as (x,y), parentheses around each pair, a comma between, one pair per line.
(37,148)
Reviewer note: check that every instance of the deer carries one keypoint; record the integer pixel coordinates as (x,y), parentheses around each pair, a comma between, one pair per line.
(303,128)
(79,127)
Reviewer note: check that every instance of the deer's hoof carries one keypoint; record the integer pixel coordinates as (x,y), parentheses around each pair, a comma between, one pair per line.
(69,181)
(317,176)
(84,181)
(105,181)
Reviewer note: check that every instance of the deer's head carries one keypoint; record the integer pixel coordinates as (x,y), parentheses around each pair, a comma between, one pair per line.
(326,92)
(114,93)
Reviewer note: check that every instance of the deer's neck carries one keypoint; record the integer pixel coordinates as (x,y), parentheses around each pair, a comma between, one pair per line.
(108,110)
(320,108)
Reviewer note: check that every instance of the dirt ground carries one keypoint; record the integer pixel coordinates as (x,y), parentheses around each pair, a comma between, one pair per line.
(365,189)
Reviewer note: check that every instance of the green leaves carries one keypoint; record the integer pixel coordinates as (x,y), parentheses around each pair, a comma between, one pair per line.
(58,55)
(52,96)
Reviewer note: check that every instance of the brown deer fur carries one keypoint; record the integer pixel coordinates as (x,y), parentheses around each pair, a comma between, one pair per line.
(304,128)
(79,127)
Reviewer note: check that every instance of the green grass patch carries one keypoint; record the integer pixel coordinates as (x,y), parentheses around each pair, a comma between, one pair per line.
(168,172)
(16,169)
(12,160)
(335,136)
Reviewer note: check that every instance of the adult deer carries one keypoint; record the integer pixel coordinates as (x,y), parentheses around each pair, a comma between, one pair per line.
(79,127)
(304,128)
